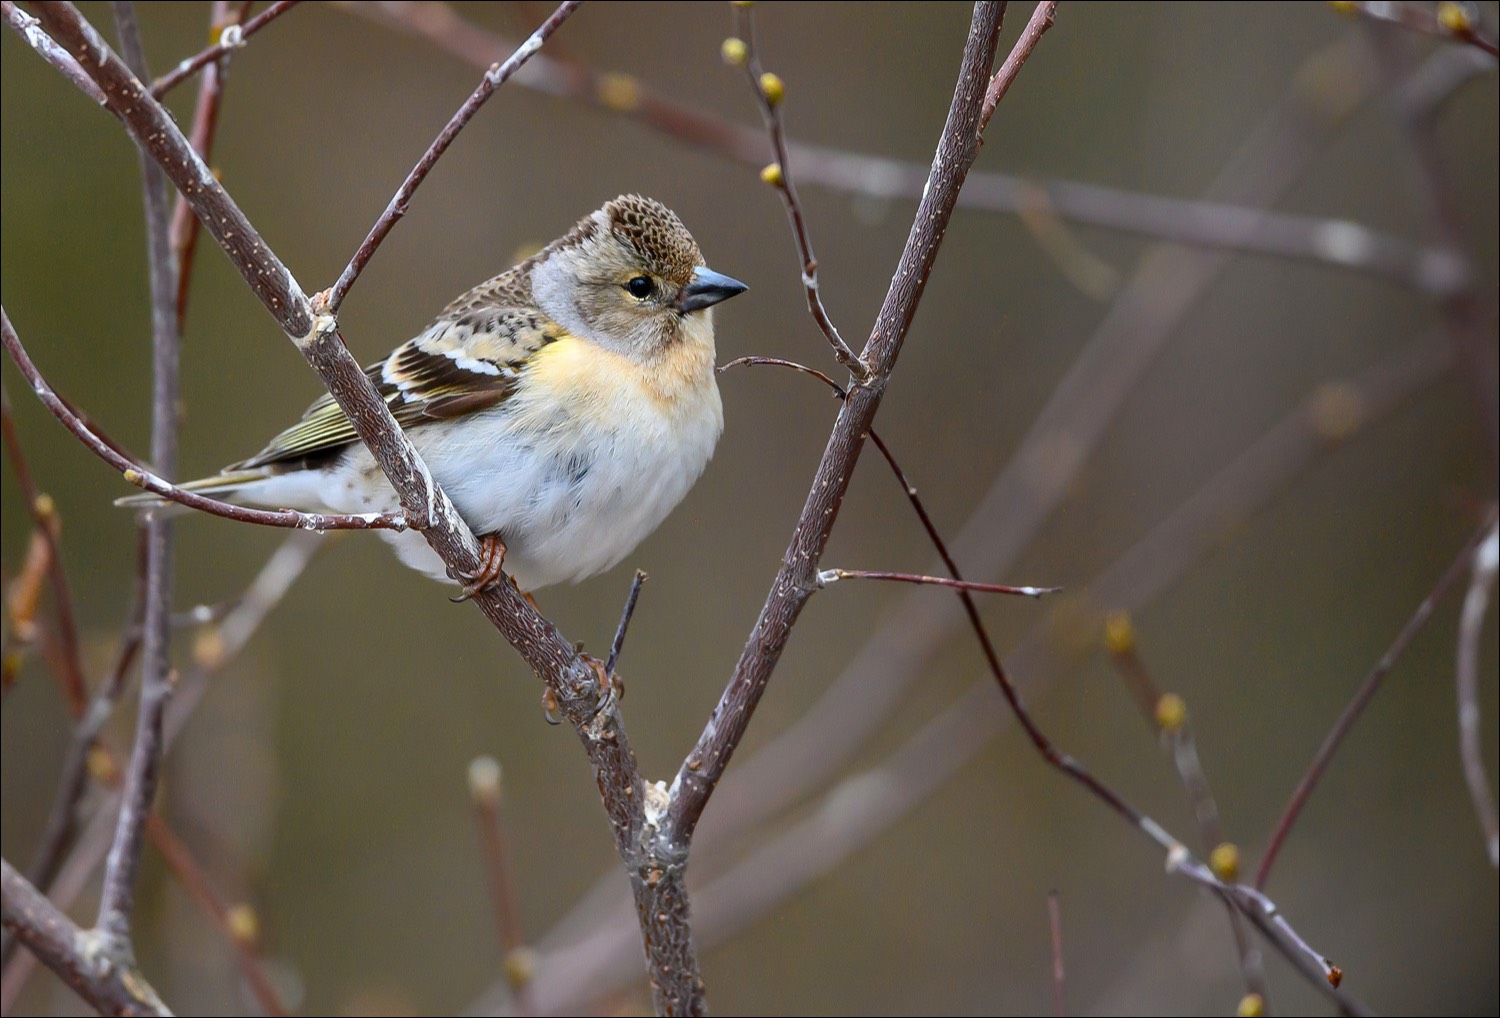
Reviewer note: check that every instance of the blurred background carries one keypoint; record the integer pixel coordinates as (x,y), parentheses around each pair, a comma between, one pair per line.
(1067,389)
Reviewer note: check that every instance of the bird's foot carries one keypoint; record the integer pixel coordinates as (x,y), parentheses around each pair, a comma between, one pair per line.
(491,559)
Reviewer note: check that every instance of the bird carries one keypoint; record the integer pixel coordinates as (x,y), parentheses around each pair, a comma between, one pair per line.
(566,406)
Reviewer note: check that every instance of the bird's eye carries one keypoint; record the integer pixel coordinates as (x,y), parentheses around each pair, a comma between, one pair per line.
(641,287)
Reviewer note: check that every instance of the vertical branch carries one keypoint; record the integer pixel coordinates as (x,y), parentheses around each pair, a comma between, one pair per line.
(1485,564)
(142,773)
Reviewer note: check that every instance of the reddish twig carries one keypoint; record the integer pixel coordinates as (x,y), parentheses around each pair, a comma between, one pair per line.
(497,75)
(224,18)
(179,859)
(1367,690)
(231,36)
(45,523)
(485,793)
(1042,17)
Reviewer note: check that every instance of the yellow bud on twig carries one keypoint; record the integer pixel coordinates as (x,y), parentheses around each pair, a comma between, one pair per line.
(1252,1005)
(1171,712)
(243,923)
(1224,860)
(1455,18)
(734,51)
(772,88)
(1119,632)
(772,175)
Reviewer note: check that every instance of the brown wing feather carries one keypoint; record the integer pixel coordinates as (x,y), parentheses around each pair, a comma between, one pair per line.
(468,360)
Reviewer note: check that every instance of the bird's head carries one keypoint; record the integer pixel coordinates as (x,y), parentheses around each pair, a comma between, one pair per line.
(631,278)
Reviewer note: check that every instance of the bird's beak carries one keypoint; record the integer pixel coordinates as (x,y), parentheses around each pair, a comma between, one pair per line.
(707,289)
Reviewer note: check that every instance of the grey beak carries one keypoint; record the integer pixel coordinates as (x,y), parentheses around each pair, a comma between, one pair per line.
(707,289)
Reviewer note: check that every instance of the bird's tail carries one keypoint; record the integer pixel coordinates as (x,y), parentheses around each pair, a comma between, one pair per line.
(222,484)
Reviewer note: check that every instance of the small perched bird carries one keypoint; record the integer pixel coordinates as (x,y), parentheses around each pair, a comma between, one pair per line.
(566,406)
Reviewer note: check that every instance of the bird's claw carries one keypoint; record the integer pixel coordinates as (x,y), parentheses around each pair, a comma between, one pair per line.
(491,560)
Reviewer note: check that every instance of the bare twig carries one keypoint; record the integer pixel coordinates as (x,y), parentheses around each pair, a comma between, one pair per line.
(1168,715)
(1054,923)
(1361,699)
(44,518)
(828,576)
(1042,16)
(117,900)
(190,874)
(1203,223)
(1485,563)
(497,75)
(29,28)
(72,953)
(796,580)
(230,37)
(768,94)
(223,19)
(485,792)
(618,643)
(141,476)
(1444,20)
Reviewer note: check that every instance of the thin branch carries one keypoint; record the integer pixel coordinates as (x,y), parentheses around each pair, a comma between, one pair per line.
(29,28)
(71,952)
(618,644)
(136,473)
(231,37)
(1485,563)
(1202,223)
(45,520)
(796,580)
(1451,21)
(224,18)
(1054,923)
(200,889)
(1042,17)
(828,576)
(1367,690)
(1168,716)
(485,792)
(768,90)
(497,75)
(142,773)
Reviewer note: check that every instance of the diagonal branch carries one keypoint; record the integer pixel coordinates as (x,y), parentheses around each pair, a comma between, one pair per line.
(68,951)
(796,580)
(497,75)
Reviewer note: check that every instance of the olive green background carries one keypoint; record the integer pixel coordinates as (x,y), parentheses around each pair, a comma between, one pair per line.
(322,779)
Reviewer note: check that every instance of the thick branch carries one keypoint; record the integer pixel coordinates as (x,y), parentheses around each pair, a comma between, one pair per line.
(72,953)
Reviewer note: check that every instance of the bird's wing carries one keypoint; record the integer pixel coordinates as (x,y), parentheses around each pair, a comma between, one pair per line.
(467,360)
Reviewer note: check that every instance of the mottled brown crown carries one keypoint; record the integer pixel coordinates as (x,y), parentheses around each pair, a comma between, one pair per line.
(655,231)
